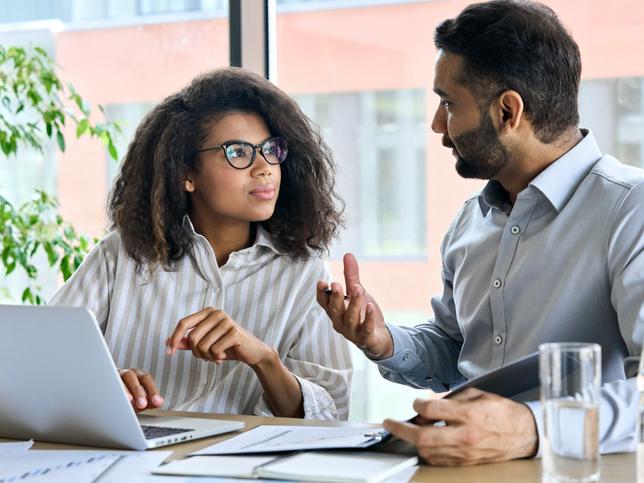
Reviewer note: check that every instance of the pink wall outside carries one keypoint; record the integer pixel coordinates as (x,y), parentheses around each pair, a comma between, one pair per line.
(384,47)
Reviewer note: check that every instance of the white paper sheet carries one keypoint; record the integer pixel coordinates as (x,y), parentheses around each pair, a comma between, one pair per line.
(14,448)
(134,466)
(56,466)
(227,466)
(268,439)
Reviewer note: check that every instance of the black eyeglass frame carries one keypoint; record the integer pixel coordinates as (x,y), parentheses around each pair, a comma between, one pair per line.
(254,147)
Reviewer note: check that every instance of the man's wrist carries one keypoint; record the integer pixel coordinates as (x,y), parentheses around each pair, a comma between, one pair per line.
(386,351)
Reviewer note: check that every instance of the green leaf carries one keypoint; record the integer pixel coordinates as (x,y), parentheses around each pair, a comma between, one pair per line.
(82,127)
(27,296)
(60,139)
(41,51)
(112,150)
(52,256)
(65,269)
(9,267)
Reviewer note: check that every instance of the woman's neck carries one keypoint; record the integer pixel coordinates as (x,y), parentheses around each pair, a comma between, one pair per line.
(225,238)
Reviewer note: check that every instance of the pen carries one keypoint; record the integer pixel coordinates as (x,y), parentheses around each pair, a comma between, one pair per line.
(377,435)
(328,291)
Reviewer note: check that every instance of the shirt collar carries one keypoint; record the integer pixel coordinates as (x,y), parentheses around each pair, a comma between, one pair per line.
(262,238)
(557,182)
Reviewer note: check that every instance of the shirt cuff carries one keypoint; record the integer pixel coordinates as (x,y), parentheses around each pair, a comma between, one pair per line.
(317,403)
(537,414)
(404,357)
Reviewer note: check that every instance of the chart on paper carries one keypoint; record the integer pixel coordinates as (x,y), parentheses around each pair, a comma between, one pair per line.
(51,465)
(268,439)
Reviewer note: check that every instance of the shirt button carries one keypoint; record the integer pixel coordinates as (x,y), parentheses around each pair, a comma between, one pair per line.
(405,357)
(497,283)
(515,230)
(498,339)
(428,379)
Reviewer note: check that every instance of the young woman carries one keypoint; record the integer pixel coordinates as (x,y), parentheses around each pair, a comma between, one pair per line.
(205,288)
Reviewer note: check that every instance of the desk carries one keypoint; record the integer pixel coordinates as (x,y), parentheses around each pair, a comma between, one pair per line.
(619,468)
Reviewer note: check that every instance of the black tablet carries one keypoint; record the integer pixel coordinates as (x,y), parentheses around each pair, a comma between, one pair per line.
(508,381)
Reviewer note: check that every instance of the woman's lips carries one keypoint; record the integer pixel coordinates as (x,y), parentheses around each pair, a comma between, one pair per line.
(263,193)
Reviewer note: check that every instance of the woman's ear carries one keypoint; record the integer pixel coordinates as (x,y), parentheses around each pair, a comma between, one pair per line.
(509,110)
(188,185)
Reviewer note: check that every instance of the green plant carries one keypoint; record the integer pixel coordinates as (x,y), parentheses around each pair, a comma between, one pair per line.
(32,111)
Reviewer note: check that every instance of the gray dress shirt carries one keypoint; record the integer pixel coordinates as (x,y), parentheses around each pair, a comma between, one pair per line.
(564,263)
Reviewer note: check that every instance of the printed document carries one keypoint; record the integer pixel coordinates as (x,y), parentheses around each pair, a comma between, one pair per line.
(273,439)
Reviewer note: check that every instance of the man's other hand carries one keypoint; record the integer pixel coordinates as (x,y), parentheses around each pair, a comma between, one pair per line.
(358,318)
(480,428)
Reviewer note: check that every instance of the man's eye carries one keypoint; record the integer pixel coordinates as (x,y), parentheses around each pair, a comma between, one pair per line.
(446,104)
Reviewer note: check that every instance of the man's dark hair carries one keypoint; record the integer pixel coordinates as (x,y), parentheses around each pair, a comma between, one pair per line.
(148,203)
(521,46)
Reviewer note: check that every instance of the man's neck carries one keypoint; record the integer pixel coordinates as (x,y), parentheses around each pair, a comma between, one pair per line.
(531,158)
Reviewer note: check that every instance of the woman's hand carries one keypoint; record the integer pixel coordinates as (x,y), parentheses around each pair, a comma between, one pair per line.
(140,389)
(213,336)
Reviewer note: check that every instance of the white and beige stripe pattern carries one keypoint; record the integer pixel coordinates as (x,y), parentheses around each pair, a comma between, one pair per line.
(264,291)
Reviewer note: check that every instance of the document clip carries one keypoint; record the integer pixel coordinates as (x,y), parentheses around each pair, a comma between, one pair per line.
(378,436)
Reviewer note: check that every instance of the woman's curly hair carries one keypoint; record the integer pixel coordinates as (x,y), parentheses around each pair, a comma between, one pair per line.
(148,203)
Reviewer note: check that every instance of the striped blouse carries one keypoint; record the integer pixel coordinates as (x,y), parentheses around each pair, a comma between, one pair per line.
(263,290)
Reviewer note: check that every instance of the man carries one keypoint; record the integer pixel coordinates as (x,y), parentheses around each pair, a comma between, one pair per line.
(552,249)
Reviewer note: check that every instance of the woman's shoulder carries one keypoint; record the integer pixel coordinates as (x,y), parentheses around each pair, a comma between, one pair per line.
(111,243)
(311,267)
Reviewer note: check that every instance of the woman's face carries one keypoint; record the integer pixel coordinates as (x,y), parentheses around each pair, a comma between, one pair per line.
(220,193)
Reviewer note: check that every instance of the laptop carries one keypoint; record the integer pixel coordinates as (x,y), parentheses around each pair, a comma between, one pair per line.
(58,383)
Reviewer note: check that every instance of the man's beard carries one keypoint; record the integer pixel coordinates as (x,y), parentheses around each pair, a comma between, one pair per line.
(479,153)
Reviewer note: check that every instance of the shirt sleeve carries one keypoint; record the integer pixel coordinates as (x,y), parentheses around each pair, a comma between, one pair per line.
(320,360)
(625,254)
(426,356)
(618,416)
(91,285)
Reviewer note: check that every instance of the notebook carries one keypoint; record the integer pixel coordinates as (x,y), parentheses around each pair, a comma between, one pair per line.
(332,467)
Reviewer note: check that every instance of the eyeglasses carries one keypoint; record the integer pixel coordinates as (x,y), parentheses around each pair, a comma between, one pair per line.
(240,154)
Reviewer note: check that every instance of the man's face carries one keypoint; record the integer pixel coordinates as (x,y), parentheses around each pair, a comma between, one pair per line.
(465,128)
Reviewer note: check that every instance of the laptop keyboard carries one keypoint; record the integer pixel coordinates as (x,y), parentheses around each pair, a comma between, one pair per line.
(152,432)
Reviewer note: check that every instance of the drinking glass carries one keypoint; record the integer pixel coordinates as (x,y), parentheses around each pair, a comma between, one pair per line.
(570,376)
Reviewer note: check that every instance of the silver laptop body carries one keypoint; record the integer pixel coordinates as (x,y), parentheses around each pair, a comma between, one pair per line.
(58,383)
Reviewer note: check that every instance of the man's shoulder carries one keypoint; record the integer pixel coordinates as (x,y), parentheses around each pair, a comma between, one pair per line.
(618,175)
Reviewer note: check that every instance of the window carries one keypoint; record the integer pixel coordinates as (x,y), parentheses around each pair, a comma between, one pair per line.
(614,110)
(378,141)
(125,56)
